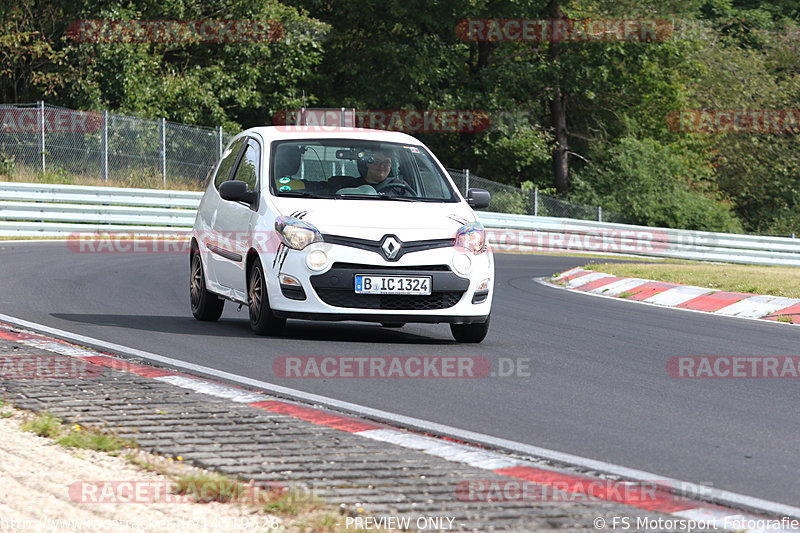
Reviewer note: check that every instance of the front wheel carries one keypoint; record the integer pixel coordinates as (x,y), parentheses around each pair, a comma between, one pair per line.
(474,333)
(206,306)
(262,321)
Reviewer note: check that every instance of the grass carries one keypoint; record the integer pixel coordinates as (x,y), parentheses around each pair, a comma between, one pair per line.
(208,487)
(769,280)
(75,436)
(44,425)
(293,503)
(136,179)
(89,439)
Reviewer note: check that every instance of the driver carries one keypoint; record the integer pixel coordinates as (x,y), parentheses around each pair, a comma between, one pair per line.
(374,171)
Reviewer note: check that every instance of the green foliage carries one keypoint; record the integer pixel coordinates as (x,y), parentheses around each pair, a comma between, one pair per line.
(724,54)
(655,184)
(210,487)
(44,425)
(89,439)
(510,202)
(7,164)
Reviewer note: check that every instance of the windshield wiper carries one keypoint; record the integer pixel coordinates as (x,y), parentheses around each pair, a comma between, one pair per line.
(352,196)
(302,194)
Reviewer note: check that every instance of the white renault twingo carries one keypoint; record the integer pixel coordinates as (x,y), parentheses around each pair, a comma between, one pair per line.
(343,224)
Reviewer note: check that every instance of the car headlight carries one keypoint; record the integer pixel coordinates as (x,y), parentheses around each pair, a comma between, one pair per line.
(472,237)
(296,233)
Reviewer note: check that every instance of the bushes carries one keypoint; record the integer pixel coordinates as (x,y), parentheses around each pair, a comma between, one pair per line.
(656,184)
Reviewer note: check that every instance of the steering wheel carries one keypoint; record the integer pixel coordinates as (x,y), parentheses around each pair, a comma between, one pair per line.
(396,185)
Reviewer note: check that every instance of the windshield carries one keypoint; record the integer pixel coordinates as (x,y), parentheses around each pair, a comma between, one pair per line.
(357,170)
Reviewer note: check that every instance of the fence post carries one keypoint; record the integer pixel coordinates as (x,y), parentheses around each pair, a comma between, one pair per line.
(164,151)
(466,182)
(219,140)
(41,134)
(599,213)
(105,145)
(536,202)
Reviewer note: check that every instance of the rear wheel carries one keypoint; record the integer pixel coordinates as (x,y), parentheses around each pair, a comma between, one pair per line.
(475,332)
(262,320)
(206,306)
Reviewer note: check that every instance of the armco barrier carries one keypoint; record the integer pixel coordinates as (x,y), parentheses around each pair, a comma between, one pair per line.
(47,210)
(29,209)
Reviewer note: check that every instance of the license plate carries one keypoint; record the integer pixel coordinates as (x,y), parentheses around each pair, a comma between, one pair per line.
(415,285)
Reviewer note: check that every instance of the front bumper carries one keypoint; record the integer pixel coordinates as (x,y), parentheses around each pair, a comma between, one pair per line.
(330,295)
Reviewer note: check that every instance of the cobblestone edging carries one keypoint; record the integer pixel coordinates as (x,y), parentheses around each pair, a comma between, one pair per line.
(242,441)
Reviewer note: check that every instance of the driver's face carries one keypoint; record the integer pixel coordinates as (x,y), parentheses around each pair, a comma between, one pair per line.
(379,168)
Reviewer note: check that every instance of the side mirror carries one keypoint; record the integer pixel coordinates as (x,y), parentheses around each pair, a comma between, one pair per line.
(478,198)
(236,191)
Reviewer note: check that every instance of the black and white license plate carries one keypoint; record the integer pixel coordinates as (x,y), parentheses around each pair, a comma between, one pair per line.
(415,285)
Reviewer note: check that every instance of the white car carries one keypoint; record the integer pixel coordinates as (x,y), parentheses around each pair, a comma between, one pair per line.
(344,224)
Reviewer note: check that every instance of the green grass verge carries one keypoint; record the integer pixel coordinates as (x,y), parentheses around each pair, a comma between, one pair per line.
(75,436)
(770,280)
(135,179)
(44,425)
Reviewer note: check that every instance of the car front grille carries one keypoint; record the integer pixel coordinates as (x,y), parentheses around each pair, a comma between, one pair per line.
(395,302)
(336,288)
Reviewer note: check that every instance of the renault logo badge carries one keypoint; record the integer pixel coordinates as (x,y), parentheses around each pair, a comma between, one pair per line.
(390,247)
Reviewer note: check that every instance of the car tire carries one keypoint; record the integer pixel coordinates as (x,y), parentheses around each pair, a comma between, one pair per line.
(206,306)
(472,333)
(262,320)
(393,324)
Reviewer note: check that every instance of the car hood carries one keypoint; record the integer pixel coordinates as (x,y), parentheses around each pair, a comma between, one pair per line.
(372,219)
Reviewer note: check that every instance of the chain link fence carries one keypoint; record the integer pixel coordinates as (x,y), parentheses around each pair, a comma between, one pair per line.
(508,199)
(41,142)
(59,145)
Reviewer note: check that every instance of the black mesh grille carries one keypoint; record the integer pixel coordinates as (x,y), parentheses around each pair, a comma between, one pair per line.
(347,298)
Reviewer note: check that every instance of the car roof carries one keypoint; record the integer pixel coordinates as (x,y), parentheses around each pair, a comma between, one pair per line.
(277,133)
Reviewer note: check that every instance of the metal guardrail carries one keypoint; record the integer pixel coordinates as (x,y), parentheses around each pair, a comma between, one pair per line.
(526,233)
(29,209)
(48,210)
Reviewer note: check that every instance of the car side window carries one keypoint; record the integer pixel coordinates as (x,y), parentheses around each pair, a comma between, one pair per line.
(248,167)
(228,160)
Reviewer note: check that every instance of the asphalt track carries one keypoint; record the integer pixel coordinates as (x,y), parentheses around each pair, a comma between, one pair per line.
(598,386)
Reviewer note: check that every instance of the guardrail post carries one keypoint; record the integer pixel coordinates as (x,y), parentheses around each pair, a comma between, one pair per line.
(466,182)
(164,150)
(105,146)
(599,213)
(41,134)
(536,202)
(219,140)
